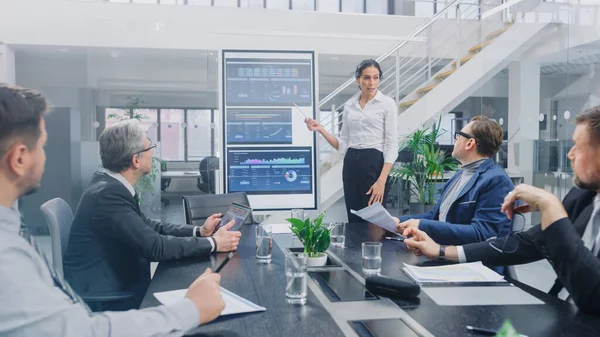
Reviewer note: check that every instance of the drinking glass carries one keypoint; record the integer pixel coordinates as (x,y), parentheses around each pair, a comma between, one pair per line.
(295,276)
(371,257)
(298,214)
(338,234)
(264,243)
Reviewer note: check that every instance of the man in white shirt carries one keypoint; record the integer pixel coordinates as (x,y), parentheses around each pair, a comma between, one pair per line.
(34,301)
(569,235)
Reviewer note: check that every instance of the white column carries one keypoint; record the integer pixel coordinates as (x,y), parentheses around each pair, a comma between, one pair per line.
(7,64)
(523,117)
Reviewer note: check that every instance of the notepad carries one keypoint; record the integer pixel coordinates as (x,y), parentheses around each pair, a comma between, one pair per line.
(234,304)
(476,296)
(473,272)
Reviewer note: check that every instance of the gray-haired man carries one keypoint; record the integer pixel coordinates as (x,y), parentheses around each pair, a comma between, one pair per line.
(112,242)
(34,301)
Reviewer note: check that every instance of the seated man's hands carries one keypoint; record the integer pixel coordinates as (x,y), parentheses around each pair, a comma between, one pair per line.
(421,244)
(410,223)
(206,295)
(210,224)
(226,240)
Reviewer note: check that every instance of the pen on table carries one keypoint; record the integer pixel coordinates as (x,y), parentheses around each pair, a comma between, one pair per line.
(484,331)
(297,107)
(229,256)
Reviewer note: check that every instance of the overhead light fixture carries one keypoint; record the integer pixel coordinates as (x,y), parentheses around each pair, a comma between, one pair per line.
(62,50)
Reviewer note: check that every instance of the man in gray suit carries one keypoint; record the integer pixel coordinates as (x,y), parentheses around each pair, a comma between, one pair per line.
(112,242)
(35,301)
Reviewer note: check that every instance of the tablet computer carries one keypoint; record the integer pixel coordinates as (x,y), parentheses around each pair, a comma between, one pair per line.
(237,212)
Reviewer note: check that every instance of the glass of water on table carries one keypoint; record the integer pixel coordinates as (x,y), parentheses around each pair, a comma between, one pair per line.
(264,244)
(295,277)
(371,258)
(337,234)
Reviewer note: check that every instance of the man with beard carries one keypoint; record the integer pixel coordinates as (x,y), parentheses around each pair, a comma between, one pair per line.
(568,235)
(112,242)
(36,301)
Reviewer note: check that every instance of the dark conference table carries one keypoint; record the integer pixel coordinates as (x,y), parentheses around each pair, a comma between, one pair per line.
(265,286)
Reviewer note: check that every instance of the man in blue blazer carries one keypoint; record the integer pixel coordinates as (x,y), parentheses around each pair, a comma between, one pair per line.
(469,207)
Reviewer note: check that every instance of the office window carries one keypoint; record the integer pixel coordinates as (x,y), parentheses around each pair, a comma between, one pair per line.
(377,7)
(303,5)
(332,6)
(226,3)
(353,6)
(278,4)
(252,3)
(172,134)
(199,134)
(148,117)
(200,2)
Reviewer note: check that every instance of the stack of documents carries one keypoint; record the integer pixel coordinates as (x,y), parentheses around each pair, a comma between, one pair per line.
(234,304)
(456,273)
(377,215)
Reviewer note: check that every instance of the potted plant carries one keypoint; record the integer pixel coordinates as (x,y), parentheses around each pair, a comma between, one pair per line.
(421,175)
(315,238)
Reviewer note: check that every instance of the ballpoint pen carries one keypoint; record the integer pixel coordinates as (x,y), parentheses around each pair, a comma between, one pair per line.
(399,238)
(484,331)
(229,256)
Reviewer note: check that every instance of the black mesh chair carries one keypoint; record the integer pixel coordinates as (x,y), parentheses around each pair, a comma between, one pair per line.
(197,208)
(208,176)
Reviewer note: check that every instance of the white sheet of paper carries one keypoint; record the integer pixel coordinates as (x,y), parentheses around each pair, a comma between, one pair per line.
(281,228)
(464,272)
(234,304)
(377,215)
(502,295)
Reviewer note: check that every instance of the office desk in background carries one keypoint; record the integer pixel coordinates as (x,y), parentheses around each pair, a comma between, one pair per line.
(265,286)
(180,174)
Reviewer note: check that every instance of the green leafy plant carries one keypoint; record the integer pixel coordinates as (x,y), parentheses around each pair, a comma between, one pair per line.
(313,234)
(132,108)
(422,174)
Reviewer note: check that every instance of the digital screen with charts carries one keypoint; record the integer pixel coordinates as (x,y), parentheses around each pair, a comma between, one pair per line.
(276,170)
(268,82)
(259,125)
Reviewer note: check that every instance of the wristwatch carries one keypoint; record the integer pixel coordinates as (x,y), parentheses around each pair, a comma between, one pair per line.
(198,232)
(442,255)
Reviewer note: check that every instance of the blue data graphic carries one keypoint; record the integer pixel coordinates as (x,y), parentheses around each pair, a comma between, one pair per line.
(277,170)
(259,126)
(268,82)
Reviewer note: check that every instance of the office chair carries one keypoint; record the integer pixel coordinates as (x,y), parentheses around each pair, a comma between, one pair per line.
(207,168)
(517,225)
(197,208)
(59,217)
(164,182)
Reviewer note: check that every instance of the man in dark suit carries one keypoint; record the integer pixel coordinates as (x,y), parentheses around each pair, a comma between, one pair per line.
(469,206)
(112,241)
(568,236)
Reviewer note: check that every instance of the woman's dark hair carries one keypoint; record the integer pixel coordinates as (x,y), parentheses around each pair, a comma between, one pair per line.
(366,64)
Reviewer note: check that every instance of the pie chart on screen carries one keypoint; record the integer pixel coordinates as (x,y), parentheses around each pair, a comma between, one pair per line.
(291,175)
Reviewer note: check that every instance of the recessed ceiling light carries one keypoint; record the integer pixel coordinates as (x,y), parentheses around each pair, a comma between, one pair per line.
(335,58)
(62,50)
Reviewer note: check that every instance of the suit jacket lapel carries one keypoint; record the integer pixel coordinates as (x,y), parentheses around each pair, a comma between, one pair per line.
(583,219)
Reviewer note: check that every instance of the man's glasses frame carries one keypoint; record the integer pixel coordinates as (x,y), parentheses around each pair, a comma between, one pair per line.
(466,135)
(152,146)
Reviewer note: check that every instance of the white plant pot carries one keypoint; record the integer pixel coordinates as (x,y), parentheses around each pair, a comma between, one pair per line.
(319,261)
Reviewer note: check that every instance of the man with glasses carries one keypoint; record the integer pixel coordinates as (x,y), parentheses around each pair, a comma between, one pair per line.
(35,300)
(469,207)
(112,242)
(569,233)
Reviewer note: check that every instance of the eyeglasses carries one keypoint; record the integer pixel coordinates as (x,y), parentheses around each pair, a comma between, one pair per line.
(152,146)
(466,135)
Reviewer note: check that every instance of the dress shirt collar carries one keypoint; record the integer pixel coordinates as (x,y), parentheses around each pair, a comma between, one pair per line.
(378,97)
(10,219)
(123,181)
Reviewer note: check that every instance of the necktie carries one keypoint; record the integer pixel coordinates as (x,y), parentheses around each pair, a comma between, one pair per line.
(59,281)
(136,197)
(594,245)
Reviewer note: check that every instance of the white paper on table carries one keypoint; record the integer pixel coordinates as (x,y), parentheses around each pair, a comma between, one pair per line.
(281,228)
(377,215)
(464,272)
(467,296)
(234,304)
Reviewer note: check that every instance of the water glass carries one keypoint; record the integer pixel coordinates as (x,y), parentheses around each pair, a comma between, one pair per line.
(298,214)
(295,277)
(338,234)
(371,257)
(264,243)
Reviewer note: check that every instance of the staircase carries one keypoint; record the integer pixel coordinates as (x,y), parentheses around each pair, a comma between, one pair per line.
(436,76)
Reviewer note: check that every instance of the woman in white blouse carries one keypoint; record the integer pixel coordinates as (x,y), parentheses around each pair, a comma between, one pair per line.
(369,137)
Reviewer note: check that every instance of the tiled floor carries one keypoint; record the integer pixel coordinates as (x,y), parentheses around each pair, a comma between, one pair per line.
(538,274)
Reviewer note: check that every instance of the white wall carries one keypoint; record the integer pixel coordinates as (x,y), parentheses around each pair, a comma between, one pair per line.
(7,64)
